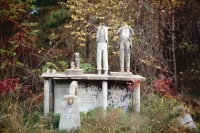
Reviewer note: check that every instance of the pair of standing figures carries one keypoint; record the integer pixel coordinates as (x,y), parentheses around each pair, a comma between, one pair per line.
(125,34)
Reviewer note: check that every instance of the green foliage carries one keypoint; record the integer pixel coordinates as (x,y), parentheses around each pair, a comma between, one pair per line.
(191,77)
(20,112)
(55,121)
(56,18)
(137,40)
(58,66)
(162,113)
(114,121)
(149,80)
(87,68)
(49,65)
(55,62)
(47,2)
(189,47)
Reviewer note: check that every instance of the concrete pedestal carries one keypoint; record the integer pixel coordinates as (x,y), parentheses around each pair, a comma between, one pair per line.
(74,71)
(93,91)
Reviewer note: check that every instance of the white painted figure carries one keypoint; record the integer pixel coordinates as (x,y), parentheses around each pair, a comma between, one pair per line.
(102,48)
(125,34)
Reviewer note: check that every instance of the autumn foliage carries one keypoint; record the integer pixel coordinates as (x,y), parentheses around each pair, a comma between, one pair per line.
(163,85)
(8,84)
(133,83)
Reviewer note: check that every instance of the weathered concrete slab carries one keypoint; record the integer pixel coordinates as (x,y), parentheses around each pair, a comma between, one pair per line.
(93,77)
(70,114)
(74,72)
(121,74)
(185,119)
(61,89)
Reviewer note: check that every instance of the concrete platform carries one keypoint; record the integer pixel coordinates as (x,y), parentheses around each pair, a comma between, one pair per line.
(105,90)
(112,76)
(74,72)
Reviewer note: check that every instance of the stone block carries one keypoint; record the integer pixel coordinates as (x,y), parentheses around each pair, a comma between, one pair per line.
(121,74)
(70,114)
(74,72)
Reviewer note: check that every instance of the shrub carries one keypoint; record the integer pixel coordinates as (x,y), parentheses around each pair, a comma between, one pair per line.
(19,110)
(8,84)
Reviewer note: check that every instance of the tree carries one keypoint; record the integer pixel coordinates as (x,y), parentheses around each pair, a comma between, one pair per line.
(16,33)
(86,15)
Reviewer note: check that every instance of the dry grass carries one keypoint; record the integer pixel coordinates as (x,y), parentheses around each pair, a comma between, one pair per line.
(157,115)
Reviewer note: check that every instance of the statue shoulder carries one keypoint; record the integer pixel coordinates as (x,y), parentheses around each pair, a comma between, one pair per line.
(119,30)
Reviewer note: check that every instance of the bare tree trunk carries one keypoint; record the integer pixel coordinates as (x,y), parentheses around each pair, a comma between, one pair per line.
(173,51)
(88,44)
(88,41)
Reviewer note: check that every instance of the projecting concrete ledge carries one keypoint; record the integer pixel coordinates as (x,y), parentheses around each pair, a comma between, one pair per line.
(119,77)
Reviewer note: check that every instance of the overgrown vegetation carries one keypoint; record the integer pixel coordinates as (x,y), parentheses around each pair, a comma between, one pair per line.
(21,111)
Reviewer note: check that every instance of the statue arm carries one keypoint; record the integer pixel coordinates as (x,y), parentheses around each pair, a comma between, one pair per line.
(131,46)
(118,31)
(97,35)
(132,32)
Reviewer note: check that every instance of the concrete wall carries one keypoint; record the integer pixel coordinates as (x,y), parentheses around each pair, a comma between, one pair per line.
(90,94)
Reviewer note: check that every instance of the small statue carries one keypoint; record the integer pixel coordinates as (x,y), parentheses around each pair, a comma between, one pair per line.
(72,65)
(125,34)
(102,47)
(77,60)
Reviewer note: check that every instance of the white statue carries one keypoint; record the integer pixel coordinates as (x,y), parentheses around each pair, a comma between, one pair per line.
(102,48)
(125,34)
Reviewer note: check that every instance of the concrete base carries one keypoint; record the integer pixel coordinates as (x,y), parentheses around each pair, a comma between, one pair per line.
(121,74)
(91,88)
(74,72)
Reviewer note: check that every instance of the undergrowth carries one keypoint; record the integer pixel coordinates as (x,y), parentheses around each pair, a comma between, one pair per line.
(21,112)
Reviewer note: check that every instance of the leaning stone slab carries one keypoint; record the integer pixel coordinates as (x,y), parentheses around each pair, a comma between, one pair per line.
(74,72)
(70,114)
(185,119)
(121,74)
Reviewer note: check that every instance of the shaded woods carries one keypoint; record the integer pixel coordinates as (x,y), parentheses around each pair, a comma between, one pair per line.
(40,34)
(36,35)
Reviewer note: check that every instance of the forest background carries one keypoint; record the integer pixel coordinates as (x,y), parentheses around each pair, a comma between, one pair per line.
(36,35)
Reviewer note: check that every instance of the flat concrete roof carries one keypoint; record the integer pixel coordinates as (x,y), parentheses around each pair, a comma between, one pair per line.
(119,77)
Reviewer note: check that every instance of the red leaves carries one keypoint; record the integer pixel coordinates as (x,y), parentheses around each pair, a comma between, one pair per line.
(8,84)
(163,85)
(133,84)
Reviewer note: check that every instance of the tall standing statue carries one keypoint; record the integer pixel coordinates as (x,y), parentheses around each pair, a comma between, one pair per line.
(125,34)
(102,48)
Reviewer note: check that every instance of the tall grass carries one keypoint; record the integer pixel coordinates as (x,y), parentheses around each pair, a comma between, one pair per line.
(21,112)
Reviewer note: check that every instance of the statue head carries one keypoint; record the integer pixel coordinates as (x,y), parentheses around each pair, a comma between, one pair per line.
(70,102)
